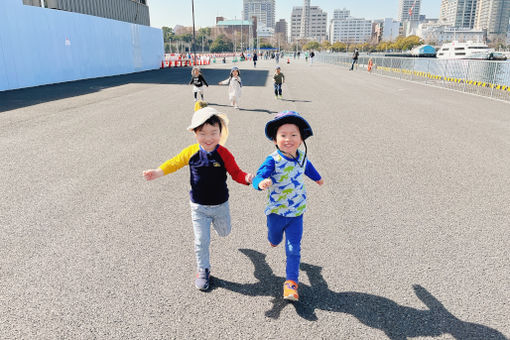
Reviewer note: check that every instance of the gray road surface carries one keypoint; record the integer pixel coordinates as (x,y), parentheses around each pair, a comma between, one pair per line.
(408,238)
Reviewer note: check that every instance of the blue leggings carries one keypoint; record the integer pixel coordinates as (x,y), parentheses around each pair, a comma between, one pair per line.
(277,89)
(293,229)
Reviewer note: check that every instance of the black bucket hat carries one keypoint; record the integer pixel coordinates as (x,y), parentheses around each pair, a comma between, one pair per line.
(288,117)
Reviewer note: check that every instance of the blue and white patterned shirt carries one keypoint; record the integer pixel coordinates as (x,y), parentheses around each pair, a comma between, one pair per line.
(287,194)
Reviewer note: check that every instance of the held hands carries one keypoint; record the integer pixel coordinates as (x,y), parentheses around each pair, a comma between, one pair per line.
(152,174)
(265,184)
(249,178)
(320,181)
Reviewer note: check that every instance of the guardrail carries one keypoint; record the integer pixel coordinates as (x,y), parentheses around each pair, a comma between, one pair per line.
(482,77)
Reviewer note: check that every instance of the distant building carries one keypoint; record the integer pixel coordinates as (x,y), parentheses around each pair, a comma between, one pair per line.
(263,10)
(265,32)
(341,14)
(458,13)
(377,30)
(390,29)
(317,28)
(133,11)
(438,34)
(241,32)
(281,30)
(409,10)
(493,16)
(180,30)
(350,30)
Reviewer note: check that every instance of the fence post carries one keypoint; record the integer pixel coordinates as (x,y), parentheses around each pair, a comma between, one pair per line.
(412,69)
(445,73)
(428,72)
(495,63)
(468,64)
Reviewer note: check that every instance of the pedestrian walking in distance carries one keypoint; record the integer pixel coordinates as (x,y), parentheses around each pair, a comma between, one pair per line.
(355,56)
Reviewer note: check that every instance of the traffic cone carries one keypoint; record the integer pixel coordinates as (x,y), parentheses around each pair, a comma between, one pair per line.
(288,60)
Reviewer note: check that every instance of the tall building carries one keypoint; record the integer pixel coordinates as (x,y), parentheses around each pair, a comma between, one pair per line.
(304,30)
(458,13)
(318,24)
(409,10)
(264,10)
(133,11)
(281,29)
(341,14)
(493,16)
(350,30)
(390,29)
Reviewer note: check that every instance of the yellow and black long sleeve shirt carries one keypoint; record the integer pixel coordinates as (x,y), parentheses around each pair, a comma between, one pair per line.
(208,172)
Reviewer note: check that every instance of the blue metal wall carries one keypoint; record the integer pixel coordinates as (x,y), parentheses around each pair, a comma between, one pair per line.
(43,46)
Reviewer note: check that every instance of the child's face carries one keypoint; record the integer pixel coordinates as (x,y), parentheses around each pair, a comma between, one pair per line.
(288,139)
(278,70)
(235,73)
(195,73)
(208,136)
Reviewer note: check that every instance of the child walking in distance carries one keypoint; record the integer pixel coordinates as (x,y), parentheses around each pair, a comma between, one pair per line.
(208,161)
(282,173)
(198,82)
(278,79)
(234,86)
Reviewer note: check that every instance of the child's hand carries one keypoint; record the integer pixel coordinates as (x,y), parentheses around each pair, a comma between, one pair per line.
(249,178)
(152,174)
(265,184)
(320,181)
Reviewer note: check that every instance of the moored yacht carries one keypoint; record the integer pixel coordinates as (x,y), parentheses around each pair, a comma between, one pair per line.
(464,50)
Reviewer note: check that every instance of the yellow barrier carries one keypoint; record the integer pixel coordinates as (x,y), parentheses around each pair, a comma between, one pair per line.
(448,79)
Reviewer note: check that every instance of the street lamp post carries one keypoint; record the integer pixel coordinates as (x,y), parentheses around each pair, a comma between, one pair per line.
(193,40)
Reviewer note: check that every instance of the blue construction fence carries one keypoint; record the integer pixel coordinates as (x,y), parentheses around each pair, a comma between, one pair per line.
(43,46)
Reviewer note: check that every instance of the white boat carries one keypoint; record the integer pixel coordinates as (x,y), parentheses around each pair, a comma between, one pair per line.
(464,50)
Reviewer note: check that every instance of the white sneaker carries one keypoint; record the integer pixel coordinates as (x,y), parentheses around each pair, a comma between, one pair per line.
(236,107)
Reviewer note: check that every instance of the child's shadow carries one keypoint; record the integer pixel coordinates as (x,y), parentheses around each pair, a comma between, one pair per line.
(295,100)
(396,321)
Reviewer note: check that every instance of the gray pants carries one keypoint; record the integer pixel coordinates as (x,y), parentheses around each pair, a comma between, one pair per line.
(202,217)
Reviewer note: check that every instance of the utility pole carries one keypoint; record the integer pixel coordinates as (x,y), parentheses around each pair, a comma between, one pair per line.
(193,41)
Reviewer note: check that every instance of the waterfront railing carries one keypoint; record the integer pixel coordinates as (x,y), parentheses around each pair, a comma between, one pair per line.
(482,77)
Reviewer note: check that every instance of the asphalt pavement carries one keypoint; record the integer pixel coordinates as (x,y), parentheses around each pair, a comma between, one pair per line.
(408,237)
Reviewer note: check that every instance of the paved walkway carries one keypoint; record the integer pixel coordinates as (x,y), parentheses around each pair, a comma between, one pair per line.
(408,238)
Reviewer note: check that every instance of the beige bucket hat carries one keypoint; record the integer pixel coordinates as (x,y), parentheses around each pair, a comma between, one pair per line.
(202,115)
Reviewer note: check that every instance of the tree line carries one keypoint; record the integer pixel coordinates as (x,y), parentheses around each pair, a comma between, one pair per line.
(182,43)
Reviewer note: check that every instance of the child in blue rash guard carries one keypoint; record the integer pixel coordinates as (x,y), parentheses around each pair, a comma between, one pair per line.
(282,174)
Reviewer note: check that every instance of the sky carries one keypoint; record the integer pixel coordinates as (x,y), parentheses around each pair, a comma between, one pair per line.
(172,12)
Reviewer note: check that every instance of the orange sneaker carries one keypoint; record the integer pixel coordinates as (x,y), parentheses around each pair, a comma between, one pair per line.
(290,290)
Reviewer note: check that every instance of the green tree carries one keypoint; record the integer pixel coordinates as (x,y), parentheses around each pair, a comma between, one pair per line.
(221,44)
(410,42)
(311,45)
(186,37)
(168,34)
(338,47)
(325,45)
